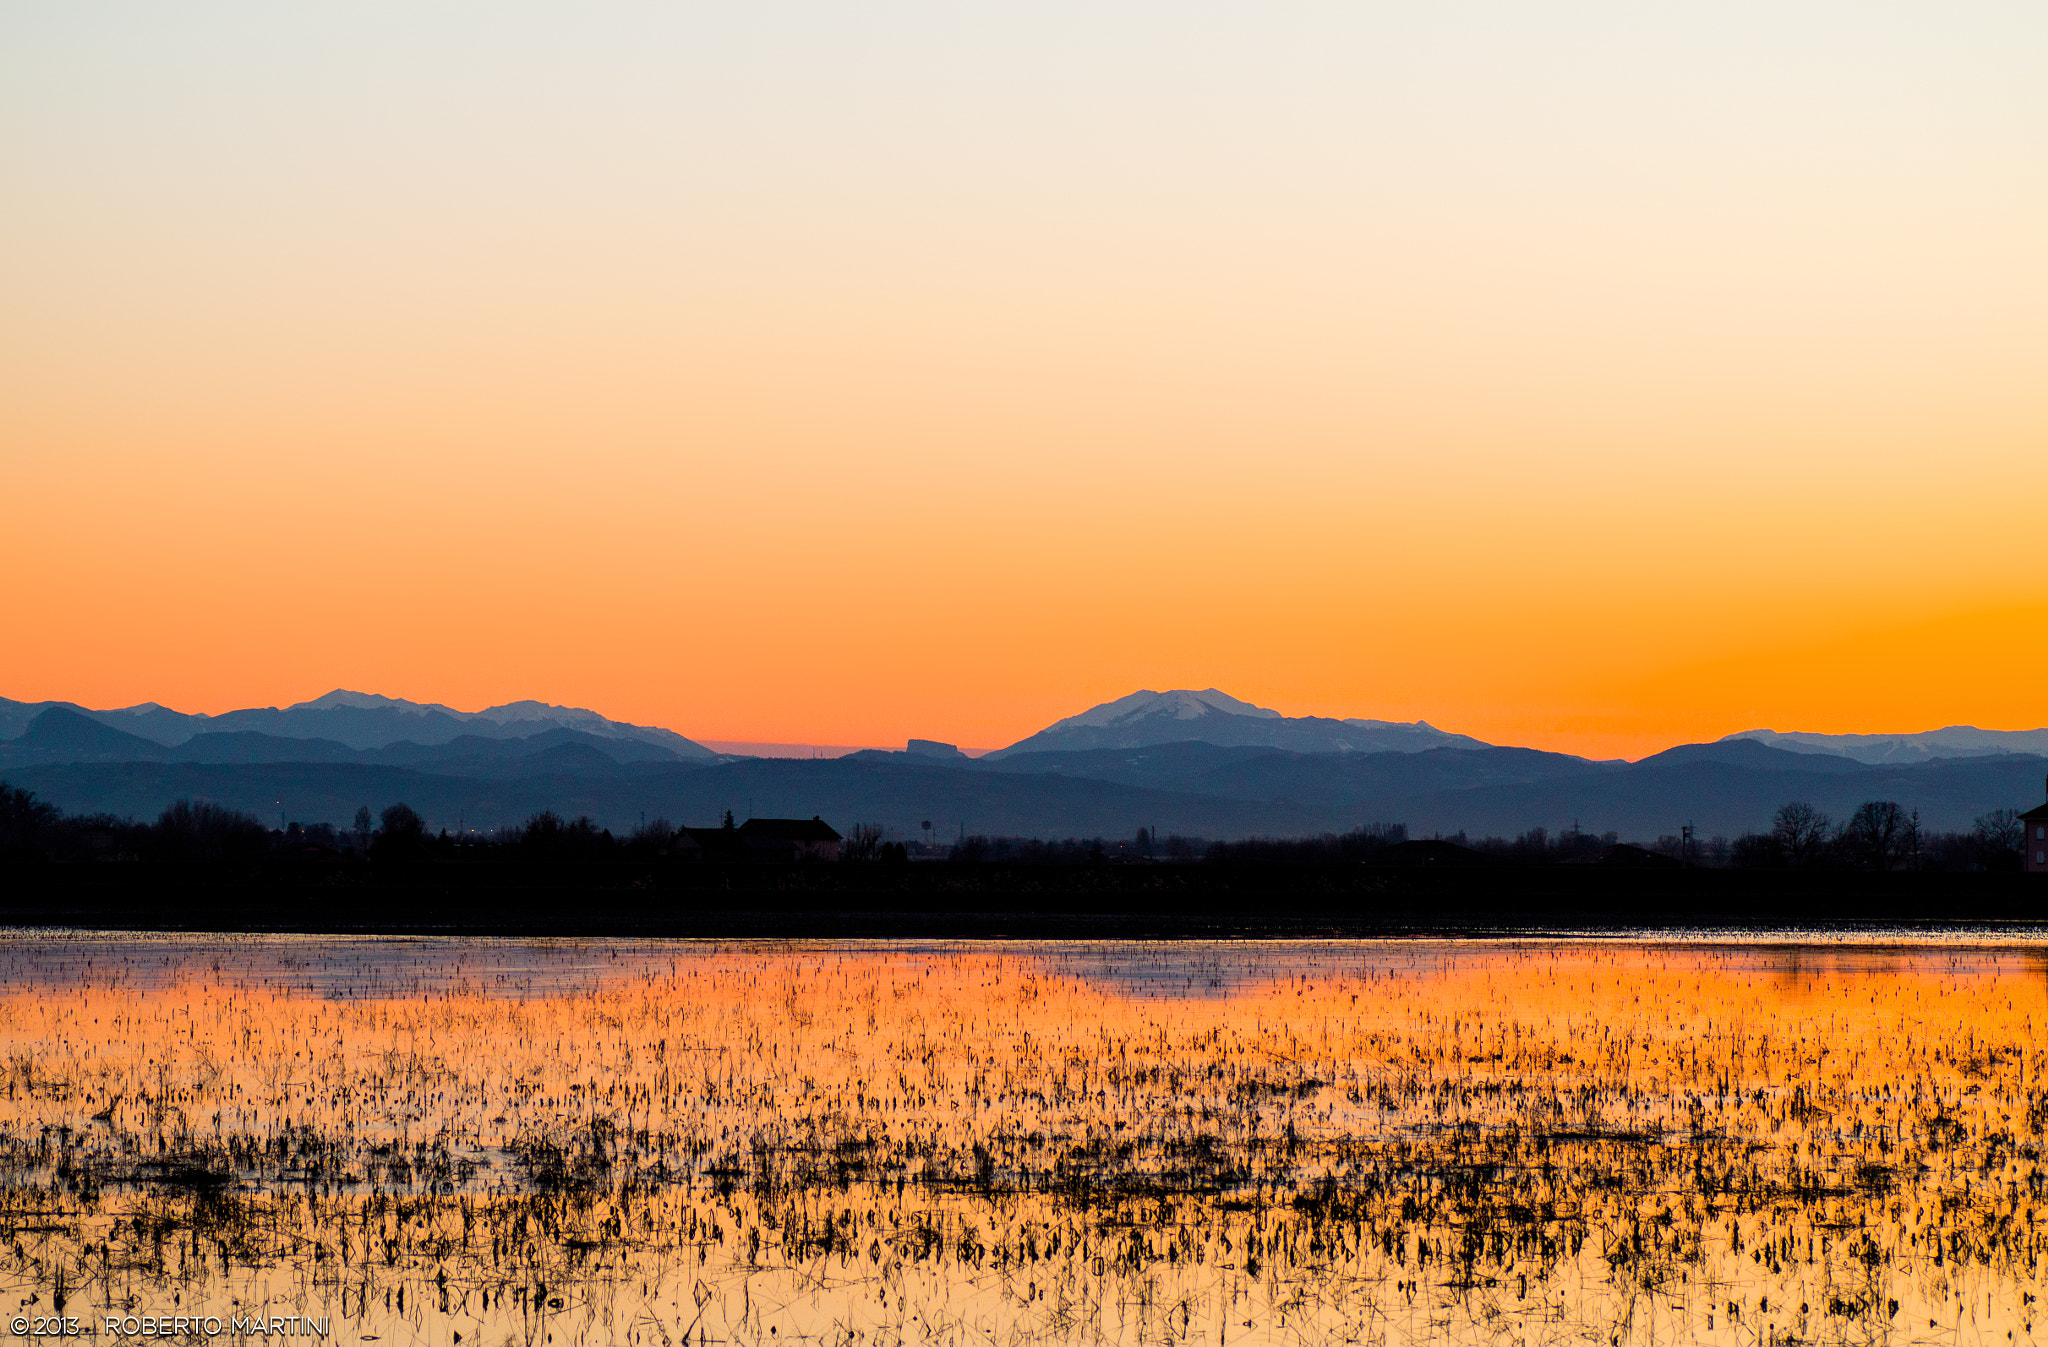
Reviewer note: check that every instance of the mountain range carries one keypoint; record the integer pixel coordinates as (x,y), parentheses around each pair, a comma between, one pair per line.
(1197,763)
(1211,717)
(1957,741)
(359,720)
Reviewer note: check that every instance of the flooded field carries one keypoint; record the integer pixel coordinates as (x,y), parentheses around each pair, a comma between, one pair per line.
(474,1141)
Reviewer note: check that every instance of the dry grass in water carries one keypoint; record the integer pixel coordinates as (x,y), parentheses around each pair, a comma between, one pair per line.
(1520,1145)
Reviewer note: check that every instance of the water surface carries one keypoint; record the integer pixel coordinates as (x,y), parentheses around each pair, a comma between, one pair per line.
(1707,1137)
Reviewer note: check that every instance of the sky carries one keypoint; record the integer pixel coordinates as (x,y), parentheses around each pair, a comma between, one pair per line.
(1592,376)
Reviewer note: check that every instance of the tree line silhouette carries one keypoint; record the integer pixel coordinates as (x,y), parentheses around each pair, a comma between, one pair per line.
(35,830)
(1880,835)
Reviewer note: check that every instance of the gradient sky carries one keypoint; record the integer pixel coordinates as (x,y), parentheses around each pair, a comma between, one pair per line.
(1592,376)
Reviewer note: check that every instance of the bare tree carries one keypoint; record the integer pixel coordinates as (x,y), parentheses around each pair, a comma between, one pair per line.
(863,842)
(202,830)
(653,836)
(1881,835)
(1801,830)
(1999,832)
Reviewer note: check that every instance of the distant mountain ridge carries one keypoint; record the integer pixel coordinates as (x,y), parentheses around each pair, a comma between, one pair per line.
(61,736)
(1956,741)
(360,720)
(1190,788)
(1146,719)
(1201,763)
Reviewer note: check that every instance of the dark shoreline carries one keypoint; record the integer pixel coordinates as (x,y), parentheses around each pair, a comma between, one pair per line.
(950,901)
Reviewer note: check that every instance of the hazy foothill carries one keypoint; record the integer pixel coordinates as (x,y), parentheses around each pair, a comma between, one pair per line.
(1157,777)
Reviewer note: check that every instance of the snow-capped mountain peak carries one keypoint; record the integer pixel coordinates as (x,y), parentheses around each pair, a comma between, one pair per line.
(1211,716)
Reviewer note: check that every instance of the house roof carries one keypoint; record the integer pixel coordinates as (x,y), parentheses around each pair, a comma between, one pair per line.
(709,839)
(812,829)
(2039,811)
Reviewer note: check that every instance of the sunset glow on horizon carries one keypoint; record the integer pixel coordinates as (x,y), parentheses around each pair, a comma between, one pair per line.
(1572,376)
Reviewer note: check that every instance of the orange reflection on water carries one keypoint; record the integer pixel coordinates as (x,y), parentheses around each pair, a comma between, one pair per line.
(1225,1142)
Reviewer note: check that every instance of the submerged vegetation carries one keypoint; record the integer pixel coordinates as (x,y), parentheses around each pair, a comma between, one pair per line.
(873,1144)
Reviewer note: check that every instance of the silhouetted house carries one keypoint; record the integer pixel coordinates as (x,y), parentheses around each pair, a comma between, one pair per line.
(795,839)
(2034,841)
(1629,856)
(708,844)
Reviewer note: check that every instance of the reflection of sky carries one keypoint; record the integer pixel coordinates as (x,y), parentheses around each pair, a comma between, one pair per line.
(1221,968)
(367,967)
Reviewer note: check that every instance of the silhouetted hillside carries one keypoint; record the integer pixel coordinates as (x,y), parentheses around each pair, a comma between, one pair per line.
(59,734)
(900,796)
(470,753)
(251,746)
(158,724)
(1655,797)
(1726,788)
(1345,781)
(1196,790)
(1750,755)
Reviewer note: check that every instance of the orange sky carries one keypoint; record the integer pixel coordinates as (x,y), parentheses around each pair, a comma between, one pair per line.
(1595,382)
